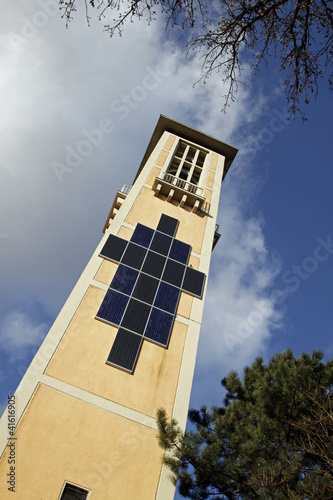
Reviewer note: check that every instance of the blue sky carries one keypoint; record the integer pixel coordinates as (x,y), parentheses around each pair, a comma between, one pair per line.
(270,285)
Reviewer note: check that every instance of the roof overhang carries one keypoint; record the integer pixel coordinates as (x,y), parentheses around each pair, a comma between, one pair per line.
(166,124)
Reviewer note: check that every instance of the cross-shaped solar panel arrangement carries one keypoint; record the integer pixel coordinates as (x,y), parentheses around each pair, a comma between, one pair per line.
(143,296)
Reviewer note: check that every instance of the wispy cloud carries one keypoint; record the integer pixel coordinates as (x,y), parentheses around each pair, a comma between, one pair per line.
(19,333)
(63,82)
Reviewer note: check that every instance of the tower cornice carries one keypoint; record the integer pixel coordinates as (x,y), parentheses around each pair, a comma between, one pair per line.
(188,133)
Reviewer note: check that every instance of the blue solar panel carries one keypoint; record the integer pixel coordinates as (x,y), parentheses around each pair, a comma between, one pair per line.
(113,307)
(161,243)
(173,273)
(180,251)
(193,282)
(167,225)
(134,256)
(145,288)
(167,297)
(159,327)
(142,235)
(113,248)
(144,293)
(124,279)
(154,264)
(136,316)
(125,350)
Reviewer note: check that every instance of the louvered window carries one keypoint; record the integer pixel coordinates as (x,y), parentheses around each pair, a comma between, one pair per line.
(187,163)
(72,492)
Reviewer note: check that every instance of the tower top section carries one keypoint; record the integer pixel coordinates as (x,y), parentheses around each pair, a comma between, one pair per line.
(166,124)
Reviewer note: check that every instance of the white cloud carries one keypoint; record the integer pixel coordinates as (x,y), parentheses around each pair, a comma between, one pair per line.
(19,332)
(62,82)
(240,311)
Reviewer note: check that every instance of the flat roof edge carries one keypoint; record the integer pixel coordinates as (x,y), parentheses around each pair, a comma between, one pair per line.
(191,134)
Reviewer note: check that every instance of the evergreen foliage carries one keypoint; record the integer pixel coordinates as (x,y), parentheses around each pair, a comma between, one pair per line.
(272,439)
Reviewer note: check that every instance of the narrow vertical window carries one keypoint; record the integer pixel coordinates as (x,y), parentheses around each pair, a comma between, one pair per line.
(72,492)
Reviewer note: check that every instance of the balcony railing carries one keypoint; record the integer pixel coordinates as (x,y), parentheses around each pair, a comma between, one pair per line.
(126,189)
(118,201)
(187,186)
(217,235)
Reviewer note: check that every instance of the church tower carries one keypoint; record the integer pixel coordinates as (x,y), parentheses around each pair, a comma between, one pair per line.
(125,342)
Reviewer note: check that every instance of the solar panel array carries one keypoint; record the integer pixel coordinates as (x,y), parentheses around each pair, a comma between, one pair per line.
(143,296)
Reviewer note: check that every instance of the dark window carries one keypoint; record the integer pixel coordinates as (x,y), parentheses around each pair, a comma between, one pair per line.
(167,225)
(159,327)
(167,297)
(124,279)
(145,289)
(134,256)
(173,273)
(161,243)
(136,316)
(114,248)
(125,349)
(193,282)
(154,264)
(180,251)
(113,307)
(142,235)
(72,492)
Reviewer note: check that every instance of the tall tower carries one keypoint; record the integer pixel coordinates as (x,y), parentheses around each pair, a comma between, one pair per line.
(82,422)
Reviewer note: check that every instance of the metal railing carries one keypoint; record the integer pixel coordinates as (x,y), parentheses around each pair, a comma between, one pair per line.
(187,186)
(125,189)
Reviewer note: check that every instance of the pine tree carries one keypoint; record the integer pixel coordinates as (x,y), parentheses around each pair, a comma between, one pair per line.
(272,439)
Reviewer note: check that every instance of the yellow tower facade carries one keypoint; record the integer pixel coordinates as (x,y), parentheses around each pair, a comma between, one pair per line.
(125,342)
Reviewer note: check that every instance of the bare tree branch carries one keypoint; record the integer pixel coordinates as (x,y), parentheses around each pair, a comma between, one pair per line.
(299,33)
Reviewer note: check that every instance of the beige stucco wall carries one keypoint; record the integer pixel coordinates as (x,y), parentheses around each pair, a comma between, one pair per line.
(148,209)
(62,438)
(213,163)
(169,143)
(155,172)
(68,431)
(106,272)
(155,378)
(210,179)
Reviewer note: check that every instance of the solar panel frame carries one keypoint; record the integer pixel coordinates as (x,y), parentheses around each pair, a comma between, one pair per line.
(113,307)
(180,251)
(173,272)
(194,282)
(154,264)
(136,316)
(113,248)
(161,243)
(144,293)
(167,297)
(125,350)
(167,225)
(142,235)
(134,255)
(145,288)
(159,326)
(124,279)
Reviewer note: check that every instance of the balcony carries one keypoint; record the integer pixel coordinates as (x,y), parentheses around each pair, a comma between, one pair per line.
(180,190)
(217,236)
(118,201)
